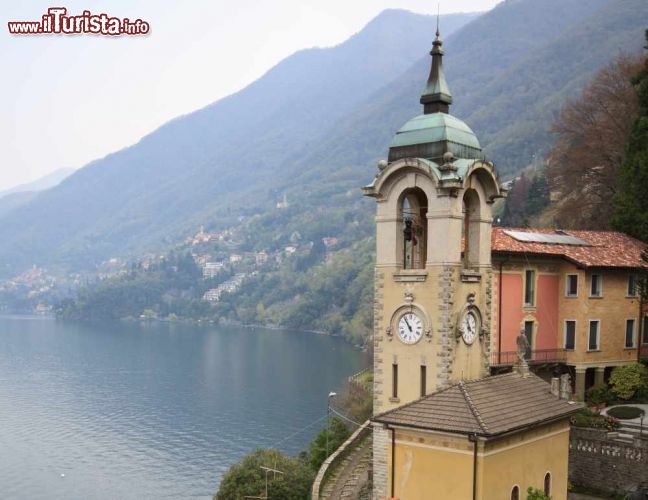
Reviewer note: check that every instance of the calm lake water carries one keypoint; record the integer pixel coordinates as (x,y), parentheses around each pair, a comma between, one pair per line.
(152,410)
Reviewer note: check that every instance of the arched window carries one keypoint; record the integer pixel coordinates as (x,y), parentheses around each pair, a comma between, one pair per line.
(547,484)
(413,218)
(515,493)
(470,229)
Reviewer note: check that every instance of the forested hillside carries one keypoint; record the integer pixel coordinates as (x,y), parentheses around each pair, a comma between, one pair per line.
(202,168)
(511,72)
(309,127)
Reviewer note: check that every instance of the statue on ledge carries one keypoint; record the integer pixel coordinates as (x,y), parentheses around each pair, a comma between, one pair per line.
(523,346)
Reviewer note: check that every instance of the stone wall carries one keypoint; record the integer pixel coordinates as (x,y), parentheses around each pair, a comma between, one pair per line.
(380,460)
(597,461)
(378,376)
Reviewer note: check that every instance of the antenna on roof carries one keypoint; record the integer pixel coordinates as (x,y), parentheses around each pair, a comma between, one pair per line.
(438,9)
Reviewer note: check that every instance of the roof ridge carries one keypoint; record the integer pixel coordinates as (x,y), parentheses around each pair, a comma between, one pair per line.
(471,405)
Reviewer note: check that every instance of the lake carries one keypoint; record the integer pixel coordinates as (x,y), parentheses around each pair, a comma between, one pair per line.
(153,410)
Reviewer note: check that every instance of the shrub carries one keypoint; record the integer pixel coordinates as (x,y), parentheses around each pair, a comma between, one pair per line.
(625,412)
(628,380)
(246,478)
(599,394)
(317,449)
(585,418)
(536,494)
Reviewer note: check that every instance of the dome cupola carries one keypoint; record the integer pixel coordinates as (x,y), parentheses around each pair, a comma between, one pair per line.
(435,132)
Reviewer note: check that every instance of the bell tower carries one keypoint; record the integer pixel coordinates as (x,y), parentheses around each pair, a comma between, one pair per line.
(433,259)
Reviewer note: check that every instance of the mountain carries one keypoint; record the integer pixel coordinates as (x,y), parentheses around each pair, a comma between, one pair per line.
(22,194)
(47,181)
(198,167)
(510,72)
(11,201)
(314,126)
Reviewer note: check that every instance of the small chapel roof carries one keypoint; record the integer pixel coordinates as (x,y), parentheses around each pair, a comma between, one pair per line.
(486,407)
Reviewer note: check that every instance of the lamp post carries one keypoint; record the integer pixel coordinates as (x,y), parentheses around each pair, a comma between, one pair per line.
(328,420)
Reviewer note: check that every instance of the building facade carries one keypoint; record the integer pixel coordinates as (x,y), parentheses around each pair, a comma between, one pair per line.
(574,295)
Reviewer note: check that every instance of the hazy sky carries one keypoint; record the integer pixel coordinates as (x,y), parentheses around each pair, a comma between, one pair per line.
(67,100)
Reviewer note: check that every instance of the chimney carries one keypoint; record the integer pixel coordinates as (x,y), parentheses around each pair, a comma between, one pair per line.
(555,386)
(565,387)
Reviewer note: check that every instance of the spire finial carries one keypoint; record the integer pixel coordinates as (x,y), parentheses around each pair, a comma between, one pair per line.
(436,96)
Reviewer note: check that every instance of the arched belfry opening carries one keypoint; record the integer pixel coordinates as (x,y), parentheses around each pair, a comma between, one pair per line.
(470,228)
(413,209)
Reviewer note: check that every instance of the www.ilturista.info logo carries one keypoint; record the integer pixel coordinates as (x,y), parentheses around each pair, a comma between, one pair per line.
(56,21)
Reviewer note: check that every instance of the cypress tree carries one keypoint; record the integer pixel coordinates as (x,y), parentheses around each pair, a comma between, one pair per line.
(631,200)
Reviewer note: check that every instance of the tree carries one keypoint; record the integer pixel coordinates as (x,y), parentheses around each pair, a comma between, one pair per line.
(590,147)
(356,398)
(631,201)
(246,478)
(317,449)
(528,196)
(627,380)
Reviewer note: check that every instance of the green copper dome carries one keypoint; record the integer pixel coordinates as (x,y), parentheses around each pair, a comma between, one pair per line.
(431,135)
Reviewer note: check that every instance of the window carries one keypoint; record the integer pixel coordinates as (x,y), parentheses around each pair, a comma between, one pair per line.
(595,285)
(547,484)
(570,334)
(632,285)
(471,228)
(644,339)
(515,493)
(414,228)
(593,342)
(629,334)
(529,288)
(572,285)
(423,380)
(394,380)
(528,332)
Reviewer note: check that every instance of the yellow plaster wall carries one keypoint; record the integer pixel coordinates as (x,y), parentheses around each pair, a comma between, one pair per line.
(467,362)
(428,467)
(517,461)
(613,308)
(436,466)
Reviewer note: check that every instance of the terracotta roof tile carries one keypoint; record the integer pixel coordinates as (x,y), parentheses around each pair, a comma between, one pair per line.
(487,407)
(604,249)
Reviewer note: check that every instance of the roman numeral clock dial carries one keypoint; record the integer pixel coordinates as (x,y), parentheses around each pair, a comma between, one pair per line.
(410,328)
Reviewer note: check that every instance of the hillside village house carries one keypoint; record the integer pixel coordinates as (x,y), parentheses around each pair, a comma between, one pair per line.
(574,295)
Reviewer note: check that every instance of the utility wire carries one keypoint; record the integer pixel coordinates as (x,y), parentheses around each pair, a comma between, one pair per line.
(344,417)
(297,432)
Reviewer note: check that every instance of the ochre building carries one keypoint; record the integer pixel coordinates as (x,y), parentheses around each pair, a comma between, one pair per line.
(574,295)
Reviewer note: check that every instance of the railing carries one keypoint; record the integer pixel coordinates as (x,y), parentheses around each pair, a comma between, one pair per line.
(509,358)
(356,376)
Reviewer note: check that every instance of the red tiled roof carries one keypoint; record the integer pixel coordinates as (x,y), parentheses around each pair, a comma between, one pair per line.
(605,249)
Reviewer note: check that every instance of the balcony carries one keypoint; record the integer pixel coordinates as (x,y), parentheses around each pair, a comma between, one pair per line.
(534,357)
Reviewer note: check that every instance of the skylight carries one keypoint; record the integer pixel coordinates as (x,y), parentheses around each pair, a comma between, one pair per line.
(548,238)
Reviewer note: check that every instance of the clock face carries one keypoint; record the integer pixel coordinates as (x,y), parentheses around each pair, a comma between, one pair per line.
(469,328)
(410,328)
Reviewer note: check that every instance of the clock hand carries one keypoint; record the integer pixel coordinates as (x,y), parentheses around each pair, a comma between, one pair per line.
(407,323)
